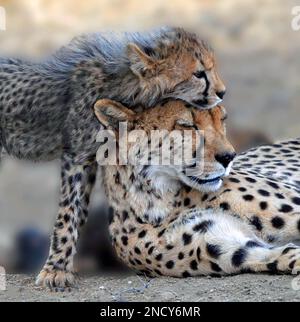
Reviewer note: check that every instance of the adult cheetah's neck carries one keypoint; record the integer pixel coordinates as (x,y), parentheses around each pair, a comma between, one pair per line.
(132,193)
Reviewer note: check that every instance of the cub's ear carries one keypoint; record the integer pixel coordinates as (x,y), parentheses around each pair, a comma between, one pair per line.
(141,63)
(110,113)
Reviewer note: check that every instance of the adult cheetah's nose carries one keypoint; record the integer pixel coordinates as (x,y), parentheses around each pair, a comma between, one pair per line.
(225,158)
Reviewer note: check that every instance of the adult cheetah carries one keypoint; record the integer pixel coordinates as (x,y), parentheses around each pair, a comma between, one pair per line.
(164,222)
(46,110)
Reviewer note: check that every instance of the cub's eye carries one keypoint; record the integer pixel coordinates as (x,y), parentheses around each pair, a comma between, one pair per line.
(200,74)
(224,118)
(185,123)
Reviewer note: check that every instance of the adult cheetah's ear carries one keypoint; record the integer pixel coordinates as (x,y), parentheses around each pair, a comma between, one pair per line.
(110,113)
(141,63)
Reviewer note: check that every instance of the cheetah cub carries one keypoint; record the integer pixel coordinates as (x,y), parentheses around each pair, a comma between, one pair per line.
(166,222)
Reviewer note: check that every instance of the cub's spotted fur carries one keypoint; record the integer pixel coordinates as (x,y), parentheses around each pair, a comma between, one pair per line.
(165,223)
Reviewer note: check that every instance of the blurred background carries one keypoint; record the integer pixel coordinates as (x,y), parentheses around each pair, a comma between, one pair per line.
(259,60)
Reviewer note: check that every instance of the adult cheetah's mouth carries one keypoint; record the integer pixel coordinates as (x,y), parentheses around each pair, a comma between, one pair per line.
(203,181)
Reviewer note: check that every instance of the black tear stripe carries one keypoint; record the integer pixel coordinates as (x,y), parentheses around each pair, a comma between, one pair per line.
(207,84)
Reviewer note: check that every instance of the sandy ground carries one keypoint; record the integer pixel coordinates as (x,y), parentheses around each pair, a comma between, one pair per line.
(134,288)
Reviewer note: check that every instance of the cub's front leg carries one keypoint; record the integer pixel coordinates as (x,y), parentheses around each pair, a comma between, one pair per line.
(77,182)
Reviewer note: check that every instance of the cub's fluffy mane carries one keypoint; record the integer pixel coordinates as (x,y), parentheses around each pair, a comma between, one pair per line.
(109,48)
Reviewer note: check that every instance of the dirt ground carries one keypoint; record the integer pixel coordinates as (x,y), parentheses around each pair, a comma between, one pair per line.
(135,288)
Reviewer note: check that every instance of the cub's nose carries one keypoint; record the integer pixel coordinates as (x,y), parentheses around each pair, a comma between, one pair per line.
(221,94)
(225,158)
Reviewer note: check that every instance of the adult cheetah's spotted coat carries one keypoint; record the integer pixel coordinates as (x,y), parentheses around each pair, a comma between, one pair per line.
(174,229)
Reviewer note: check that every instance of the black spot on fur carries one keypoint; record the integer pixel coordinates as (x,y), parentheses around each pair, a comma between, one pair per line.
(186,201)
(186,274)
(272,267)
(273,184)
(198,252)
(263,205)
(256,222)
(204,197)
(248,197)
(186,238)
(296,200)
(142,234)
(150,250)
(69,251)
(169,247)
(124,240)
(158,272)
(277,222)
(193,265)
(187,188)
(137,250)
(215,267)
(138,261)
(161,232)
(239,257)
(279,195)
(117,178)
(285,208)
(180,255)
(292,264)
(170,264)
(286,250)
(213,250)
(125,215)
(263,192)
(64,239)
(159,257)
(203,226)
(66,218)
(225,205)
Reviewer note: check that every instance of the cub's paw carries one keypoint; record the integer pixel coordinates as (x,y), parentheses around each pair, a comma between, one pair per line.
(57,280)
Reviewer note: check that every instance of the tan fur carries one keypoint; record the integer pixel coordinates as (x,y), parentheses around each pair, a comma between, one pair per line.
(182,231)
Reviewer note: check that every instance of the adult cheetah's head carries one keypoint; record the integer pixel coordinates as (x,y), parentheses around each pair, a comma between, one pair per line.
(157,138)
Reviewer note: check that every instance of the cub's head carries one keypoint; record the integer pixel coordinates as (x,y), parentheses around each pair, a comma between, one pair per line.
(170,131)
(177,65)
